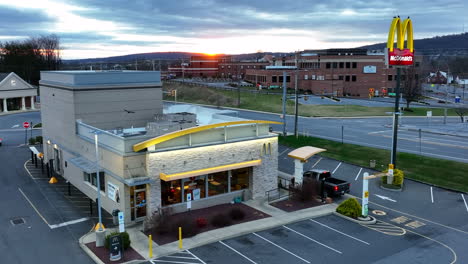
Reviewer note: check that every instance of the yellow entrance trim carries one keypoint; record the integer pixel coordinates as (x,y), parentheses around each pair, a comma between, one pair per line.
(304,153)
(179,133)
(188,174)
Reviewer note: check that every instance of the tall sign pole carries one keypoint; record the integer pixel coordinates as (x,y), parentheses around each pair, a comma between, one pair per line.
(398,57)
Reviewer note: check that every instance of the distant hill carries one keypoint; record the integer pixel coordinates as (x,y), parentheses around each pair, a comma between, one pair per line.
(166,56)
(456,44)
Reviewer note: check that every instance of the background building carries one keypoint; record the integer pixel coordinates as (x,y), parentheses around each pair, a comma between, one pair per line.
(15,93)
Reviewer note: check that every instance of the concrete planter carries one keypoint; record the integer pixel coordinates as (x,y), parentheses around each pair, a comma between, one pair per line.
(370,220)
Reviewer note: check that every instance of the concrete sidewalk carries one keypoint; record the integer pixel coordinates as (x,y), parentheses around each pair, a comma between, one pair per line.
(278,218)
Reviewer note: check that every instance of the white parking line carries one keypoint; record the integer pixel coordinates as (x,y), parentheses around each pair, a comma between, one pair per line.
(175,262)
(337,167)
(282,152)
(69,223)
(357,176)
(247,258)
(357,239)
(311,239)
(278,246)
(316,162)
(464,202)
(432,196)
(203,262)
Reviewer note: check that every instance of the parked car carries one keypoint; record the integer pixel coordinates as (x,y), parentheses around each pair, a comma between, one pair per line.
(332,186)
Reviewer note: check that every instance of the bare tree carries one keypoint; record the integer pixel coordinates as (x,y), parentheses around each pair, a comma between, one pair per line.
(411,85)
(462,111)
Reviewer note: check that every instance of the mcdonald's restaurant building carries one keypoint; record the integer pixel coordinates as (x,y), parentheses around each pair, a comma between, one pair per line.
(150,158)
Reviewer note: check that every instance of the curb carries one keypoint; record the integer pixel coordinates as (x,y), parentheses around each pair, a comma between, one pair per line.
(88,251)
(391,190)
(371,222)
(437,133)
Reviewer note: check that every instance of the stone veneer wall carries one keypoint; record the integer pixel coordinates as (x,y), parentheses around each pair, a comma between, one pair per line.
(264,177)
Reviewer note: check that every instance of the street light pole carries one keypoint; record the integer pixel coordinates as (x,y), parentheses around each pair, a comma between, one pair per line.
(296,112)
(100,231)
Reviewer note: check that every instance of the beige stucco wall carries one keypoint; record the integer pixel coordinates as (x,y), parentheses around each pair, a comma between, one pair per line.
(264,176)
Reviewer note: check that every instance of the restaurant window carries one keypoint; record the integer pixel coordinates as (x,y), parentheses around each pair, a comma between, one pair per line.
(196,187)
(92,179)
(171,192)
(217,183)
(240,179)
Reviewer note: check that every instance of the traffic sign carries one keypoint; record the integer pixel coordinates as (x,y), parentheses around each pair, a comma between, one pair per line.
(26,124)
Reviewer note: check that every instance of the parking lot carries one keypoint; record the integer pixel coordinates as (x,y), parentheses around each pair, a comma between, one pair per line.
(328,239)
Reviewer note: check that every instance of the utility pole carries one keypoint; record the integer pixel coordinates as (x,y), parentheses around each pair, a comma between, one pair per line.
(284,104)
(296,99)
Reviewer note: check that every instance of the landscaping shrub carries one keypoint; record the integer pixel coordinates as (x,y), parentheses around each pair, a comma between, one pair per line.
(350,208)
(398,177)
(124,236)
(306,191)
(189,228)
(39,139)
(220,220)
(37,125)
(32,141)
(201,222)
(237,214)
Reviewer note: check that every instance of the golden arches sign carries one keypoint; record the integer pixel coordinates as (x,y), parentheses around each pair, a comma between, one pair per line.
(400,55)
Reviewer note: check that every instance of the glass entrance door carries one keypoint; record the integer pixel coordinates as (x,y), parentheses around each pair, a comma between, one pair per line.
(138,202)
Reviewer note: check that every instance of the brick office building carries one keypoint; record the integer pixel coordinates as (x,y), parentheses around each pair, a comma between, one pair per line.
(342,72)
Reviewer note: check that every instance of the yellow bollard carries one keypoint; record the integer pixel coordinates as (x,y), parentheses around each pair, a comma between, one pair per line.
(150,245)
(180,237)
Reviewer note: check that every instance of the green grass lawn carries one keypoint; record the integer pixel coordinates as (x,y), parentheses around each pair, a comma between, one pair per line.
(273,103)
(443,173)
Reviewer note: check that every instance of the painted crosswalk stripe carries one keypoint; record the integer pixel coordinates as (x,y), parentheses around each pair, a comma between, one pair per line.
(203,262)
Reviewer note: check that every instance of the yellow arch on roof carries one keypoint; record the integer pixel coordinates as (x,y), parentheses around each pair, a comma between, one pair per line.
(187,131)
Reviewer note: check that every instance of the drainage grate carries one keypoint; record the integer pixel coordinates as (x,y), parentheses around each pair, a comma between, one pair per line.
(17,221)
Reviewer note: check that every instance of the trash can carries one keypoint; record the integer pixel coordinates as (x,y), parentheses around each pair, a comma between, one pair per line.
(372,163)
(115,216)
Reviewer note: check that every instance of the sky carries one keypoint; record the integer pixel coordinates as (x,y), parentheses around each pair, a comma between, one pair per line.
(103,28)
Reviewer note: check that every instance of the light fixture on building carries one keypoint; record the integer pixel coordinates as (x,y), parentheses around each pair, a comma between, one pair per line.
(48,141)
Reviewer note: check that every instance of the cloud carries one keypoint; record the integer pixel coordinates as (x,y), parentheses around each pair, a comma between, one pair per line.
(223,25)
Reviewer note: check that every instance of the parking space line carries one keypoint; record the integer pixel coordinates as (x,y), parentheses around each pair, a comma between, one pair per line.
(337,167)
(247,258)
(432,196)
(464,201)
(331,228)
(69,223)
(280,247)
(203,262)
(315,164)
(311,239)
(175,262)
(282,152)
(357,176)
(171,256)
(34,207)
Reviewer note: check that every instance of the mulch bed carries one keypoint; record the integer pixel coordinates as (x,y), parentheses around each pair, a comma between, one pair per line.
(103,254)
(251,214)
(292,205)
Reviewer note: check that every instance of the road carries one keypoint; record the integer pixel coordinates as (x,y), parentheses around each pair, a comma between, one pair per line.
(22,201)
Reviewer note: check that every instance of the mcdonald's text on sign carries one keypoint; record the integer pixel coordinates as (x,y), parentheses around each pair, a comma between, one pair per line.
(399,55)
